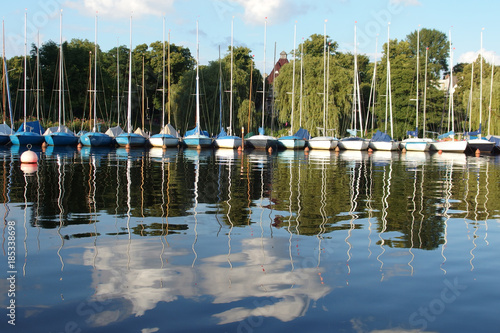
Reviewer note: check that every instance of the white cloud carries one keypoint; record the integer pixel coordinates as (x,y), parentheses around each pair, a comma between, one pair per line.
(488,56)
(406,2)
(123,8)
(255,11)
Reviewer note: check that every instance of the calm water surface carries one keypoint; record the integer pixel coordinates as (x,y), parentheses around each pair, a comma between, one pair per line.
(219,241)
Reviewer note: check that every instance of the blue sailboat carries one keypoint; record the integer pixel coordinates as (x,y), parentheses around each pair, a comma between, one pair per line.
(28,132)
(224,139)
(196,138)
(130,139)
(60,135)
(95,138)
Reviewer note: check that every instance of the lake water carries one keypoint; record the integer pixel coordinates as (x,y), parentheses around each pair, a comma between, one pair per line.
(220,241)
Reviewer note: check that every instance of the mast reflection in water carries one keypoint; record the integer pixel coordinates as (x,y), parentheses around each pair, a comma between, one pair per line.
(165,240)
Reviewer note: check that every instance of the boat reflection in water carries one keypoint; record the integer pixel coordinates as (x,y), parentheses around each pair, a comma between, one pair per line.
(117,238)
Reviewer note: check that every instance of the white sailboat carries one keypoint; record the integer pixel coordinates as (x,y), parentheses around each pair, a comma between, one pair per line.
(5,130)
(195,137)
(354,142)
(130,139)
(414,143)
(475,139)
(324,142)
(262,141)
(168,136)
(446,142)
(293,141)
(228,140)
(381,141)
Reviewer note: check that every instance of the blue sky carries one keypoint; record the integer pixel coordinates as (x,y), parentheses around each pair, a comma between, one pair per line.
(465,19)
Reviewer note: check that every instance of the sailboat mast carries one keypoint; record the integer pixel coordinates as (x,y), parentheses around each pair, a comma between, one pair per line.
(95,74)
(4,75)
(118,81)
(163,79)
(197,82)
(38,76)
(25,64)
(264,76)
(491,94)
(293,74)
(168,65)
(470,96)
(451,115)
(481,84)
(60,68)
(301,84)
(231,85)
(425,90)
(324,79)
(389,80)
(129,102)
(220,93)
(6,89)
(418,70)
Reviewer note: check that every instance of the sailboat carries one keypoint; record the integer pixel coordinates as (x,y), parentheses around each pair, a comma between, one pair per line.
(446,142)
(324,142)
(262,141)
(130,139)
(60,135)
(293,141)
(168,136)
(116,130)
(94,138)
(5,130)
(475,140)
(414,143)
(228,140)
(354,142)
(196,137)
(382,141)
(29,132)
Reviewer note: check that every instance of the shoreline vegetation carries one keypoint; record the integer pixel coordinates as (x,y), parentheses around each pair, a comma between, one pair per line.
(43,65)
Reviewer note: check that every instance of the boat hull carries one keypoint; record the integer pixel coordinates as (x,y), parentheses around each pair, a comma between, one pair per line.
(96,139)
(27,138)
(130,140)
(353,144)
(198,140)
(323,143)
(449,146)
(4,139)
(483,145)
(262,142)
(163,140)
(229,142)
(291,142)
(61,139)
(416,144)
(384,145)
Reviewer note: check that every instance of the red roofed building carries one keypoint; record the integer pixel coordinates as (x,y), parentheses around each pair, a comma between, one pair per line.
(276,70)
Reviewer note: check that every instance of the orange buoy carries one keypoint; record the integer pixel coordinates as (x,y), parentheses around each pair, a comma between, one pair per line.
(79,145)
(440,152)
(337,149)
(370,150)
(403,150)
(478,153)
(306,149)
(270,150)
